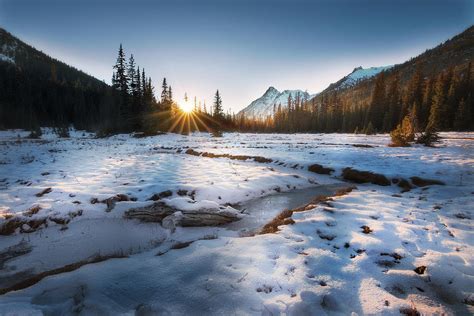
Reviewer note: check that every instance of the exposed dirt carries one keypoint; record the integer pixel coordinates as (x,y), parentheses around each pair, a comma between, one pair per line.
(284,218)
(260,159)
(359,176)
(317,168)
(421,182)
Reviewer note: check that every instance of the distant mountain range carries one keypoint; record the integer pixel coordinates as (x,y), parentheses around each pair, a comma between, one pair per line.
(264,105)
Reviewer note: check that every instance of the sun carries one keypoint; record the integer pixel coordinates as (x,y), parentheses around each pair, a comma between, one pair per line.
(186,107)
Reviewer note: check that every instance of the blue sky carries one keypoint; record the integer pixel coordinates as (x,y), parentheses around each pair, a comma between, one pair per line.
(240,47)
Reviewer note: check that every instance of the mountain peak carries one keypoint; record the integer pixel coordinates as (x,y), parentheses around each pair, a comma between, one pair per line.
(272,90)
(264,105)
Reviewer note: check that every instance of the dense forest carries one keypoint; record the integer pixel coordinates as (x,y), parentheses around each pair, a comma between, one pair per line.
(441,102)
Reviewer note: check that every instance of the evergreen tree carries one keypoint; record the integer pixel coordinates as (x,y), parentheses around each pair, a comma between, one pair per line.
(121,80)
(414,93)
(462,118)
(144,89)
(170,94)
(439,98)
(404,134)
(164,91)
(131,76)
(377,104)
(218,112)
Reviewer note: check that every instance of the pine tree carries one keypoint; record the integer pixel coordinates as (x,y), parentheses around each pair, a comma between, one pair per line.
(138,93)
(439,98)
(144,88)
(131,75)
(170,94)
(218,113)
(164,91)
(414,92)
(377,104)
(462,116)
(121,80)
(394,105)
(404,134)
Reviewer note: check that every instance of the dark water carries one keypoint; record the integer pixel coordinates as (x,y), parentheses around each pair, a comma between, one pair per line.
(261,210)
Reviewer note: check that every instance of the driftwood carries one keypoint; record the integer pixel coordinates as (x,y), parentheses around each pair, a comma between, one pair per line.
(171,217)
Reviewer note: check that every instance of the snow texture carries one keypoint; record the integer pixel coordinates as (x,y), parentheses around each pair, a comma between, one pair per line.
(6,58)
(263,106)
(359,74)
(324,264)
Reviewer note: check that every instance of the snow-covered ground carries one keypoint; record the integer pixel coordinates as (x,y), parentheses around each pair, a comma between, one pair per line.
(322,264)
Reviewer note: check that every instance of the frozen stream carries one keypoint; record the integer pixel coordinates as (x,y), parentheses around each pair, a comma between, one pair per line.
(261,210)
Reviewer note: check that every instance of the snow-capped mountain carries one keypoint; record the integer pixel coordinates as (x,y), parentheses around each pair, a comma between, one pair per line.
(357,75)
(263,106)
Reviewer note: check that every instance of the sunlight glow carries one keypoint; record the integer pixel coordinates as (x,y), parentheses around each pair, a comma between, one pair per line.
(186,107)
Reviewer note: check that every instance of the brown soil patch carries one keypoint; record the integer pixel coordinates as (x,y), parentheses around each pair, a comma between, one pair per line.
(421,182)
(284,218)
(260,159)
(364,177)
(317,168)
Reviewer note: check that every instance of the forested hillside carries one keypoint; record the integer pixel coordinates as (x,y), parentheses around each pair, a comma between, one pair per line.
(37,90)
(436,86)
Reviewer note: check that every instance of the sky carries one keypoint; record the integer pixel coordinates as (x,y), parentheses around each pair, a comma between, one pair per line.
(240,47)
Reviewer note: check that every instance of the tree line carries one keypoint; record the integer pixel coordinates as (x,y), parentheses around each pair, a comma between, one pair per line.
(441,102)
(137,108)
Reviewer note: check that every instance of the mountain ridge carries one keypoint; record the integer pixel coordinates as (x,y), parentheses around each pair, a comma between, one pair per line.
(263,106)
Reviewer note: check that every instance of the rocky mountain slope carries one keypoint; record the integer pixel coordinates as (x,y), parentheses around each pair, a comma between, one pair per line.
(263,106)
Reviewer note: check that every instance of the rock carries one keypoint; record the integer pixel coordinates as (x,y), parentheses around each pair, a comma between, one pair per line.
(420,182)
(32,210)
(409,311)
(462,216)
(10,226)
(469,300)
(111,201)
(45,191)
(161,195)
(154,197)
(182,192)
(364,177)
(317,168)
(405,185)
(366,229)
(420,270)
(325,236)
